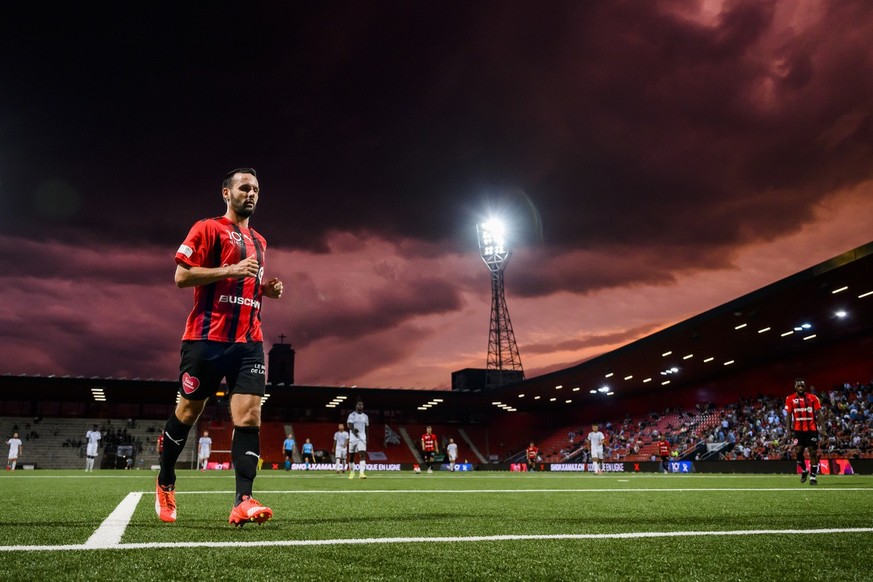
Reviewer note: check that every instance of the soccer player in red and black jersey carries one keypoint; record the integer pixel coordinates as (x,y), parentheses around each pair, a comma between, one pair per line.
(664,453)
(805,424)
(222,258)
(532,453)
(429,447)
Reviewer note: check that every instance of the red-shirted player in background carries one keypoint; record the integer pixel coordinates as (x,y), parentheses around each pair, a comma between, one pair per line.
(223,260)
(664,453)
(805,423)
(532,453)
(429,447)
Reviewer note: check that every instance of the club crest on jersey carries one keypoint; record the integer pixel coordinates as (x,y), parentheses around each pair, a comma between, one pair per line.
(189,383)
(237,238)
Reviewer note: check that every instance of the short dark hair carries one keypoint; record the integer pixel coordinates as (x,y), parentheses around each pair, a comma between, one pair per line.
(227,181)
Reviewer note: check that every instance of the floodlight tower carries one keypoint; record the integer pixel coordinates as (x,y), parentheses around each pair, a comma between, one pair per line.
(502,350)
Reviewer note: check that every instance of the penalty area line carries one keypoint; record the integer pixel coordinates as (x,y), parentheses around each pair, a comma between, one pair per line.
(110,532)
(445,539)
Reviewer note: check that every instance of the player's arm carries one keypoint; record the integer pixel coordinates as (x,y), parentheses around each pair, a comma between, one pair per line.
(820,423)
(193,276)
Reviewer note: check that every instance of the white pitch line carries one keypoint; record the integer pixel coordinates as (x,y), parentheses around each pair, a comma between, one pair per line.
(616,490)
(446,539)
(109,533)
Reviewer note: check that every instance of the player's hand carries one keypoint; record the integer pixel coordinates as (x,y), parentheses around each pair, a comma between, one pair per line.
(273,288)
(354,430)
(248,267)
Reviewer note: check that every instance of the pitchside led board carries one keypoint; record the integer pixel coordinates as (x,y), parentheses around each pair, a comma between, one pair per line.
(832,467)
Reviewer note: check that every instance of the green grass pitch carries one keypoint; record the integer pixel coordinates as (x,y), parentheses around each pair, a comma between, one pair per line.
(67,525)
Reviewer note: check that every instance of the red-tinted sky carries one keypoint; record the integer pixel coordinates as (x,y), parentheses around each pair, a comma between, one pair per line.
(655,159)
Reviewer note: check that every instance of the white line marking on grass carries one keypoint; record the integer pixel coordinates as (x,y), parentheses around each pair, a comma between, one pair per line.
(109,533)
(622,490)
(414,540)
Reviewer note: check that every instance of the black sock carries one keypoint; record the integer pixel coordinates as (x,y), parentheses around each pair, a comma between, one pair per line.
(813,469)
(801,463)
(175,436)
(245,451)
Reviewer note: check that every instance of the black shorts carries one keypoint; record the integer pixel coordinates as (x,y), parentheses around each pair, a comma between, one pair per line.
(206,363)
(289,453)
(807,438)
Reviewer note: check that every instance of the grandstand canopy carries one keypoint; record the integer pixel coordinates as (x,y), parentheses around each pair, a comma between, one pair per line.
(826,308)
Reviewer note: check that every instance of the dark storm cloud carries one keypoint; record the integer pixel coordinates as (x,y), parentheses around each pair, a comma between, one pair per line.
(595,340)
(630,144)
(353,313)
(622,122)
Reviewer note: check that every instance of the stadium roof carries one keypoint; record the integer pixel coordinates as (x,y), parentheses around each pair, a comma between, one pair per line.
(826,304)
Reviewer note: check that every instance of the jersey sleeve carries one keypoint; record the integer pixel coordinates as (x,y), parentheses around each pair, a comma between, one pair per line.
(192,251)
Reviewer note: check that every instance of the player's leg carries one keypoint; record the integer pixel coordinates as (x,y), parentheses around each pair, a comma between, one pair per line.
(813,462)
(362,462)
(801,463)
(246,382)
(176,432)
(245,410)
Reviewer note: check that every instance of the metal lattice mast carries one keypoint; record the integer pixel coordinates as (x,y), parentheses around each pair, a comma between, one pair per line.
(502,350)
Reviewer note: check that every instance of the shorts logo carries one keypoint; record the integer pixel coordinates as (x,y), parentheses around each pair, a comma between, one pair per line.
(189,383)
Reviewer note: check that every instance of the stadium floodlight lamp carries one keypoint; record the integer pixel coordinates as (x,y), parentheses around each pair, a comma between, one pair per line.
(841,313)
(493,245)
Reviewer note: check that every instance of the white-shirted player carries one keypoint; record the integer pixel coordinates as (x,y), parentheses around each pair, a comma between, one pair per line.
(452,452)
(15,448)
(596,438)
(204,449)
(92,437)
(358,424)
(341,444)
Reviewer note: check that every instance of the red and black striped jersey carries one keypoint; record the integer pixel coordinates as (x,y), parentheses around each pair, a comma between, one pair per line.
(663,448)
(801,411)
(532,452)
(228,310)
(428,442)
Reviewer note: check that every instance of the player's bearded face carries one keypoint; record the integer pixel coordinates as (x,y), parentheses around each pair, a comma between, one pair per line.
(243,196)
